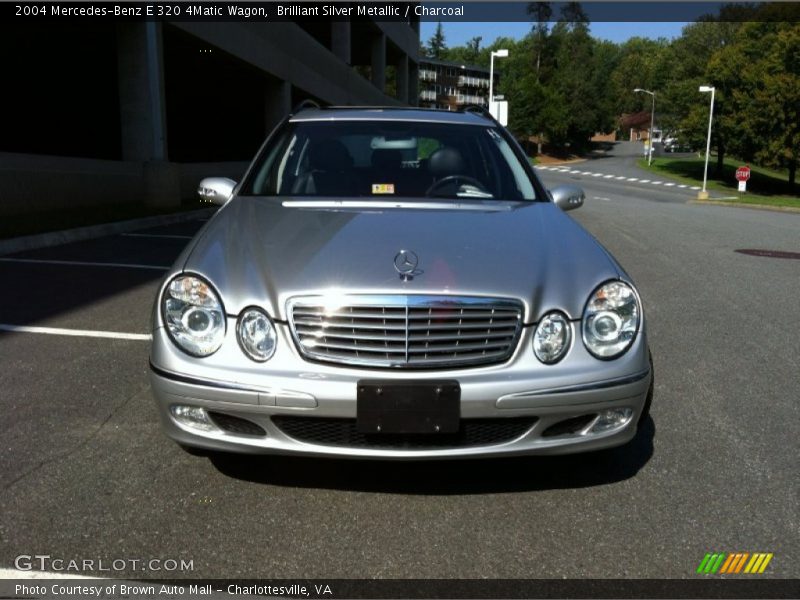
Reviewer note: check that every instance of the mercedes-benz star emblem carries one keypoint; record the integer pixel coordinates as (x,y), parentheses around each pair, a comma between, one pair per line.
(405,263)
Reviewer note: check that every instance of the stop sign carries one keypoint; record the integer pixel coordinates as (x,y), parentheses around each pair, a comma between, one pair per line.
(743,173)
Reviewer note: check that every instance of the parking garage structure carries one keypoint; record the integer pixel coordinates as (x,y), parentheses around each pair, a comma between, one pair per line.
(137,112)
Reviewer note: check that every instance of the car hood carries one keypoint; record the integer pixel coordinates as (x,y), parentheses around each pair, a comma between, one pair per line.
(261,251)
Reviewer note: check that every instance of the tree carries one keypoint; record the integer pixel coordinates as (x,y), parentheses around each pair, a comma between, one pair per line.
(541,12)
(474,49)
(436,45)
(761,70)
(573,14)
(692,53)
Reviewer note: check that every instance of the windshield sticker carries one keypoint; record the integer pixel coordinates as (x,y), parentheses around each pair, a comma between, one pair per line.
(383,188)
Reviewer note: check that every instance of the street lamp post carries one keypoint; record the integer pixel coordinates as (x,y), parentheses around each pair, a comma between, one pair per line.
(499,54)
(703,195)
(652,120)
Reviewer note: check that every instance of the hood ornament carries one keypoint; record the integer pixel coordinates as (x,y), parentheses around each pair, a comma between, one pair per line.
(405,263)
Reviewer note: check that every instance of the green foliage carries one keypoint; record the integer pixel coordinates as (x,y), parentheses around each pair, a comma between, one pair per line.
(566,85)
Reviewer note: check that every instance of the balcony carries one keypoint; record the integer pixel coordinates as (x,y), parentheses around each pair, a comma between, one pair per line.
(466,81)
(471,99)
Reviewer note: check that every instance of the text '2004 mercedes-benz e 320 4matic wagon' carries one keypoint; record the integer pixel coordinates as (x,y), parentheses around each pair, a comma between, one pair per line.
(397,283)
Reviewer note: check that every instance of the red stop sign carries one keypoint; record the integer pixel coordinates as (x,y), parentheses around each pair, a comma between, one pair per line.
(743,173)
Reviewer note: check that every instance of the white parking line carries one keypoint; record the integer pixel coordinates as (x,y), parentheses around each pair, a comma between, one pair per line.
(158,235)
(115,335)
(80,263)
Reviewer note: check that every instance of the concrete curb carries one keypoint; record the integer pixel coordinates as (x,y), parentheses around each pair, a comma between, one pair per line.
(786,209)
(56,238)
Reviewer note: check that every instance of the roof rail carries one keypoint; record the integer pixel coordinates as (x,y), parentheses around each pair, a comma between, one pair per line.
(307,103)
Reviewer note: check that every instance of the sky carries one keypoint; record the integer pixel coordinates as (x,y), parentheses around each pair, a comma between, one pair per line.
(456,34)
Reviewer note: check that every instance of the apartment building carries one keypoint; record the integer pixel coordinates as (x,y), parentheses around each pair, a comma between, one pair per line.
(451,85)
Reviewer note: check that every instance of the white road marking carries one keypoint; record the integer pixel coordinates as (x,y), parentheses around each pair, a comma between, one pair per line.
(695,187)
(644,181)
(602,198)
(633,179)
(586,173)
(668,184)
(607,176)
(116,335)
(80,263)
(683,186)
(574,171)
(597,174)
(620,177)
(656,182)
(158,235)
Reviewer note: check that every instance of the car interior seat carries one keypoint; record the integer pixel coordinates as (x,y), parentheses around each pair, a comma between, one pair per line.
(330,171)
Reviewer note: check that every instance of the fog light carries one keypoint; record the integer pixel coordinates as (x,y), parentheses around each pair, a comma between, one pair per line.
(193,416)
(612,419)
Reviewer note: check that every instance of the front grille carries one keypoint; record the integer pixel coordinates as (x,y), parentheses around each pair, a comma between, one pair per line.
(412,332)
(343,432)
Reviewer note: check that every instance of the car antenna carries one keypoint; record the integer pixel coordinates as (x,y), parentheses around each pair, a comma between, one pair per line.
(307,103)
(476,109)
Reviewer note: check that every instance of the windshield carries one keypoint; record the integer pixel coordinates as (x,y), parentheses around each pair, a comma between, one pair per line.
(380,159)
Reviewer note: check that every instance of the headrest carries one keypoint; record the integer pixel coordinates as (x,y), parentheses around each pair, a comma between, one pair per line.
(330,155)
(446,161)
(386,159)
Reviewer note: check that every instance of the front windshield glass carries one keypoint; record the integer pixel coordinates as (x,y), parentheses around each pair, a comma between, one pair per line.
(379,159)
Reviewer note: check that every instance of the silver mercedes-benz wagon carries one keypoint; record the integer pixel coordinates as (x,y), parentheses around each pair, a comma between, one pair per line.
(397,283)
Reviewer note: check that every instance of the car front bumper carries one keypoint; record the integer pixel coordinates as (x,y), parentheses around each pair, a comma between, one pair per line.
(532,396)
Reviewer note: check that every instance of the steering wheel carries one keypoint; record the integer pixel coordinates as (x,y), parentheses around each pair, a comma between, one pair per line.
(451,178)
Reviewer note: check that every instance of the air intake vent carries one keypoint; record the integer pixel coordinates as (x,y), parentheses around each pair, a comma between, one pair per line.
(410,332)
(569,426)
(343,432)
(236,425)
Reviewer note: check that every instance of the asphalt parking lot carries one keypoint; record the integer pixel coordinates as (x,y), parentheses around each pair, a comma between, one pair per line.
(85,471)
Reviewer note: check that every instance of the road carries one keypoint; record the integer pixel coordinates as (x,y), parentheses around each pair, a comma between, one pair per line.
(86,473)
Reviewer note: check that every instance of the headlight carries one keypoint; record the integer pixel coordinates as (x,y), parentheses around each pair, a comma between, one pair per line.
(551,338)
(611,319)
(256,334)
(193,315)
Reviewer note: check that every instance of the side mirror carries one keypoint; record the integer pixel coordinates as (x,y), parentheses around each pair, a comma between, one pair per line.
(216,190)
(567,197)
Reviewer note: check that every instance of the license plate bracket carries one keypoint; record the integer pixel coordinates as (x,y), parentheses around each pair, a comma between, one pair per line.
(392,407)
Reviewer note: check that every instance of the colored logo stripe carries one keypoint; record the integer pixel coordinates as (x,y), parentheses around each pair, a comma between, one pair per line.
(734,563)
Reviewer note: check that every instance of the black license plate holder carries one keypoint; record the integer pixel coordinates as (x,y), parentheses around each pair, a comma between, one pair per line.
(403,407)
